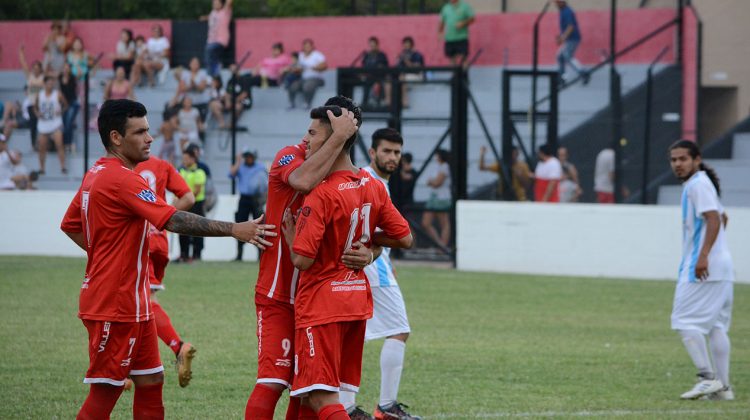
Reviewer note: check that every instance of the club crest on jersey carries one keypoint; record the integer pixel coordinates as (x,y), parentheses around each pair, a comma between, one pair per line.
(286,159)
(305,211)
(147,195)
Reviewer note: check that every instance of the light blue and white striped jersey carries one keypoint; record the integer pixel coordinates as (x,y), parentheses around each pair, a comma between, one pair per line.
(380,272)
(699,196)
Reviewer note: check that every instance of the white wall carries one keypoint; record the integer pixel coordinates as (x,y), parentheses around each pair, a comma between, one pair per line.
(626,241)
(30,225)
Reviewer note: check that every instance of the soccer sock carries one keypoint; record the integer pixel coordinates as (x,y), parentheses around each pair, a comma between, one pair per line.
(720,349)
(292,411)
(262,403)
(391,366)
(348,399)
(307,413)
(695,343)
(147,402)
(333,412)
(100,402)
(164,328)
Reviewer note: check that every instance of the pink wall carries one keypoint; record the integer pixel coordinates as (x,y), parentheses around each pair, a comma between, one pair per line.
(98,36)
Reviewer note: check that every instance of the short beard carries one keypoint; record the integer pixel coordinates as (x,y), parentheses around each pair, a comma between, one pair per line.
(383,169)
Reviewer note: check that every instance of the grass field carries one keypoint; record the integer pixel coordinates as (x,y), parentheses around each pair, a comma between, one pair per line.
(482,346)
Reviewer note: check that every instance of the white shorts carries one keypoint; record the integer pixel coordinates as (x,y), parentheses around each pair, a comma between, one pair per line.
(49,126)
(703,306)
(388,315)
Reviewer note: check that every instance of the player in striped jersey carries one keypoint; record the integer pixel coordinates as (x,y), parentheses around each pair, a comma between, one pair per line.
(389,319)
(702,308)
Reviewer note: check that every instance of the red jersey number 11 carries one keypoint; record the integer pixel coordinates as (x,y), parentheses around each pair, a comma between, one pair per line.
(354,221)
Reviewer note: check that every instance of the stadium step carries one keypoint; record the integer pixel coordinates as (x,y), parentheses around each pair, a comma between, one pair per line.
(741,146)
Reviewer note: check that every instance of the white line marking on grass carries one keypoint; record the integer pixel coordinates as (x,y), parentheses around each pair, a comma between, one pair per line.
(586,413)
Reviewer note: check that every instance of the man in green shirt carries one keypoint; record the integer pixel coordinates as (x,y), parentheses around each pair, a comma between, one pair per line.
(455,18)
(195,177)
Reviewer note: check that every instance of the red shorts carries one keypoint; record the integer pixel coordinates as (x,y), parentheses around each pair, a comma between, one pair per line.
(120,349)
(605,197)
(275,340)
(328,357)
(158,259)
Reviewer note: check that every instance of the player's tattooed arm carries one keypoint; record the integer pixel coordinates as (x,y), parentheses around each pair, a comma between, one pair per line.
(191,224)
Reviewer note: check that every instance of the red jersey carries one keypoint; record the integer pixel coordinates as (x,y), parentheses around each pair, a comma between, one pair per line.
(113,209)
(343,209)
(162,177)
(277,277)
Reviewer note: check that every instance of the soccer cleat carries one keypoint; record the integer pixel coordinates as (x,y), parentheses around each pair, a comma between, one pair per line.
(395,411)
(724,394)
(359,414)
(704,387)
(184,362)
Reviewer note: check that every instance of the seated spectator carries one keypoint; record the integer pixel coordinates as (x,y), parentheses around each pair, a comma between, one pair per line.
(194,83)
(69,88)
(119,87)
(79,59)
(216,102)
(11,116)
(409,57)
(241,85)
(313,64)
(168,128)
(14,175)
(373,59)
(154,59)
(520,174)
(547,175)
(125,52)
(268,72)
(54,49)
(189,121)
(292,72)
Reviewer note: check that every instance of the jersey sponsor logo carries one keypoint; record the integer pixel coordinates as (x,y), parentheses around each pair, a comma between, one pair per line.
(349,286)
(96,168)
(353,184)
(284,362)
(286,160)
(105,336)
(310,341)
(260,332)
(147,195)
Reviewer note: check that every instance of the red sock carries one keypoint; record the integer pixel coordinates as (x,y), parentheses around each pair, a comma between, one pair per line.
(165,329)
(307,413)
(148,403)
(262,403)
(333,412)
(100,402)
(292,412)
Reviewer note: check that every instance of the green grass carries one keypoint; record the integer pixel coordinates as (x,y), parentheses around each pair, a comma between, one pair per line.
(483,345)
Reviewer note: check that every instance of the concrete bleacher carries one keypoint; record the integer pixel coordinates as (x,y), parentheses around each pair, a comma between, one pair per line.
(270,126)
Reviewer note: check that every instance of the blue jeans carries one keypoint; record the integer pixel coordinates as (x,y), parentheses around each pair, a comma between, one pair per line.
(566,55)
(212,57)
(69,119)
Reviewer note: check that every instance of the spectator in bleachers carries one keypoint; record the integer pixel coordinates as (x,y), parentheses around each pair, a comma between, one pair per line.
(195,177)
(34,84)
(168,129)
(218,34)
(547,175)
(54,49)
(154,59)
(439,204)
(604,176)
(570,177)
(409,57)
(455,18)
(313,64)
(194,83)
(80,60)
(269,71)
(11,116)
(69,88)
(241,84)
(520,173)
(125,52)
(292,72)
(402,185)
(373,58)
(69,34)
(216,101)
(119,87)
(568,40)
(189,121)
(252,184)
(49,108)
(14,175)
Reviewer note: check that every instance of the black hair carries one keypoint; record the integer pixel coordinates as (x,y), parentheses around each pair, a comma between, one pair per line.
(694,151)
(114,116)
(190,152)
(408,39)
(193,149)
(373,38)
(547,149)
(279,46)
(443,154)
(140,38)
(130,34)
(335,104)
(221,82)
(407,157)
(387,134)
(48,77)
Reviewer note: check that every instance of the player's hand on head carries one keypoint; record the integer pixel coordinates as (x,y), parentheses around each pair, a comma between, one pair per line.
(254,232)
(357,257)
(345,124)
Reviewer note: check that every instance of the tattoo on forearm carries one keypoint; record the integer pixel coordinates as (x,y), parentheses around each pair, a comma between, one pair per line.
(191,224)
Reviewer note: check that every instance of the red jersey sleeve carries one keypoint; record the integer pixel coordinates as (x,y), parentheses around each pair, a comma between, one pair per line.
(287,160)
(389,219)
(175,183)
(311,225)
(72,220)
(135,194)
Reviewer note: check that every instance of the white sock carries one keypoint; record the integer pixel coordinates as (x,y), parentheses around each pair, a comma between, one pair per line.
(391,365)
(695,343)
(348,400)
(720,348)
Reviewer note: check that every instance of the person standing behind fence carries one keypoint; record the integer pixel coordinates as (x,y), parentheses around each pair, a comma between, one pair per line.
(455,18)
(568,40)
(218,34)
(439,205)
(604,176)
(69,89)
(252,183)
(195,177)
(547,176)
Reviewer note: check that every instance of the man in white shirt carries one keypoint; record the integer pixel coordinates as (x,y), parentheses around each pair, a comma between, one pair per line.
(547,175)
(604,176)
(702,308)
(313,64)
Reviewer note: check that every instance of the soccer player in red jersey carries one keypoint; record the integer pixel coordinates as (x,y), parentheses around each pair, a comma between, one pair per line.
(333,301)
(162,177)
(109,218)
(294,173)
